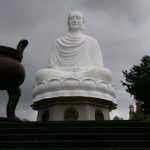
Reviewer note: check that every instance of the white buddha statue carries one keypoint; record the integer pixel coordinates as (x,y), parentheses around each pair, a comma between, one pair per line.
(75,77)
(75,55)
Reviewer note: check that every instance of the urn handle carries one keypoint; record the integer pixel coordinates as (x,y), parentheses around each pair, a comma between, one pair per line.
(22,45)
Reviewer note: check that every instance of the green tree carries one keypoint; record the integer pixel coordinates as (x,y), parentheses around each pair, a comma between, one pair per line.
(137,82)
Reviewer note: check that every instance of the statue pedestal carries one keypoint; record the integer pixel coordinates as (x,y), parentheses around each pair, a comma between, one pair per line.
(73,99)
(73,108)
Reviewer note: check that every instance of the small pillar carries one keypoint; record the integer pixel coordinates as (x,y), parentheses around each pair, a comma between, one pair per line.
(139,111)
(132,114)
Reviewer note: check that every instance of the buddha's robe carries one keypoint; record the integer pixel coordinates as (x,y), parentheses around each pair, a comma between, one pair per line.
(75,56)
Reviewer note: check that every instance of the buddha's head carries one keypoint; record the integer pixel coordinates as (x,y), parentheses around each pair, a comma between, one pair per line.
(75,21)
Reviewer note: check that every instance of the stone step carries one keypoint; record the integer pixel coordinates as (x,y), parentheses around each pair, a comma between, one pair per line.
(79,135)
(107,123)
(26,130)
(75,136)
(116,148)
(76,144)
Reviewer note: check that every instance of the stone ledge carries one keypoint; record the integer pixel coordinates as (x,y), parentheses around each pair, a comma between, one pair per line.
(74,100)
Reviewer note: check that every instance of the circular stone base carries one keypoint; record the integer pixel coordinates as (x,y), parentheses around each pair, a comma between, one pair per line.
(74,87)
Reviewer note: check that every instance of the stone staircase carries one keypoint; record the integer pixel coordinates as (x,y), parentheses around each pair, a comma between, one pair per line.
(78,135)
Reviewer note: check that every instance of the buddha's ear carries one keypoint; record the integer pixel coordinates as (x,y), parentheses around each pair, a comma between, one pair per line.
(68,21)
(68,25)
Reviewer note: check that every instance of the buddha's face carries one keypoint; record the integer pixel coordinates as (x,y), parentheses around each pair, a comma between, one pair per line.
(75,21)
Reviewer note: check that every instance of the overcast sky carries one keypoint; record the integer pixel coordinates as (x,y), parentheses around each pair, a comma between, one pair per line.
(122,28)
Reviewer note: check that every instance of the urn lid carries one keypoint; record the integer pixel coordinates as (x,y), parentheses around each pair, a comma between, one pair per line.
(4,50)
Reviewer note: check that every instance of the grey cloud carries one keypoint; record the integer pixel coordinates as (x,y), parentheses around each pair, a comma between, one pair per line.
(24,15)
(133,10)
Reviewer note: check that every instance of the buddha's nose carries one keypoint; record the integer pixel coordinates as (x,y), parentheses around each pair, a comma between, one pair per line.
(74,20)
